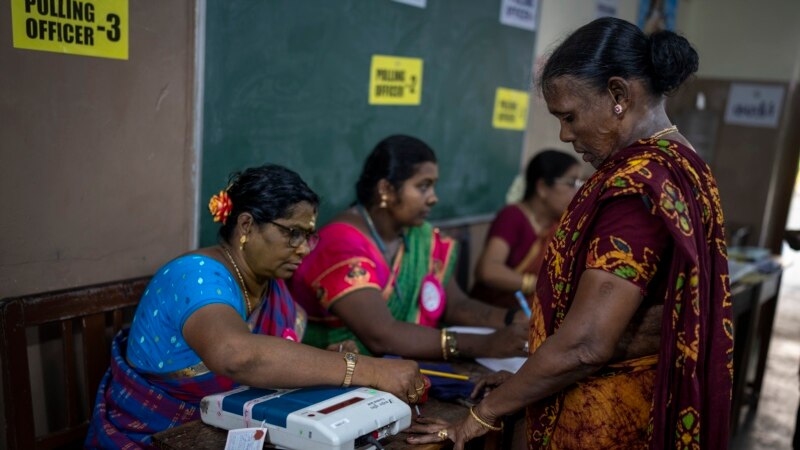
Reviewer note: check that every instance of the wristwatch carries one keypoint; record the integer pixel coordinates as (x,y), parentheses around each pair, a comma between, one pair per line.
(350,359)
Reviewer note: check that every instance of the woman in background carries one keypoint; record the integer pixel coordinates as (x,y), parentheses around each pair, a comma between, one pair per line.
(222,316)
(518,236)
(381,274)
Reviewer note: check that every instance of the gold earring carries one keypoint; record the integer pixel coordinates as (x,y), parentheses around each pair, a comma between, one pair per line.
(383,201)
(242,241)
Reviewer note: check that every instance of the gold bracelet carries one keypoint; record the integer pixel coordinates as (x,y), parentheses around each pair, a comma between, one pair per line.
(483,422)
(350,360)
(444,344)
(528,283)
(452,344)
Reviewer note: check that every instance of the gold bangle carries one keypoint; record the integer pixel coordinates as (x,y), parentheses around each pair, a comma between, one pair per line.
(444,344)
(528,283)
(483,422)
(452,344)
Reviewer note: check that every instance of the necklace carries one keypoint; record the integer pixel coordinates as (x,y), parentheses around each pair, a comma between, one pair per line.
(664,132)
(372,230)
(241,279)
(381,246)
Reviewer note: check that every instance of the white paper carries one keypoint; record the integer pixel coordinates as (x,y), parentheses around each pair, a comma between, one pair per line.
(755,105)
(519,13)
(471,330)
(417,3)
(246,439)
(496,364)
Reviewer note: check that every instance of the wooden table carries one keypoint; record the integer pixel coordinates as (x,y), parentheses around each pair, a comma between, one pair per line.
(754,300)
(197,435)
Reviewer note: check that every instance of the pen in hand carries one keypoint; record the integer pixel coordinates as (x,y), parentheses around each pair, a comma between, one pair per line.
(523,303)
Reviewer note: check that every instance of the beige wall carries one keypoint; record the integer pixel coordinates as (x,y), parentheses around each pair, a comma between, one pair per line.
(97,160)
(97,157)
(743,39)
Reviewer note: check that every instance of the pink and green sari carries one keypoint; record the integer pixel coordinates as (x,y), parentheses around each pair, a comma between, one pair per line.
(346,260)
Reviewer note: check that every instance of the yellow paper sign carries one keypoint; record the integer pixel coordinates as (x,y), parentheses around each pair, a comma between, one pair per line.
(395,81)
(78,27)
(510,109)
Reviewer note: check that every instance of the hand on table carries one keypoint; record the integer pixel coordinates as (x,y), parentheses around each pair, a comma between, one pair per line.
(400,377)
(427,430)
(509,341)
(488,382)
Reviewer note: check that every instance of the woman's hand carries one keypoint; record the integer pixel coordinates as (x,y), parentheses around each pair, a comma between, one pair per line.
(488,382)
(400,377)
(428,430)
(348,345)
(521,317)
(509,341)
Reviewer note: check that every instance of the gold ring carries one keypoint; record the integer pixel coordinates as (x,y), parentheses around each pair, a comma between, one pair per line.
(412,397)
(442,434)
(419,388)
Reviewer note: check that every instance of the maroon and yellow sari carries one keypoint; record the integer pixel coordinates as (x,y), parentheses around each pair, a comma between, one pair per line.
(679,398)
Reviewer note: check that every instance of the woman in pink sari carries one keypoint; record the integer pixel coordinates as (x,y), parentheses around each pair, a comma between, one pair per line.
(381,274)
(631,332)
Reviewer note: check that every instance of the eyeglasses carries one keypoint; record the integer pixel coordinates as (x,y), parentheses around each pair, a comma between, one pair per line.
(297,236)
(574,183)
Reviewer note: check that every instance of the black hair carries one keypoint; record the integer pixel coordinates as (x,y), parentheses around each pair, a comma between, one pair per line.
(395,158)
(547,165)
(610,47)
(267,192)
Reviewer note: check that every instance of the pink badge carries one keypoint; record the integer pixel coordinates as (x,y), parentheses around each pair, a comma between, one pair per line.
(431,301)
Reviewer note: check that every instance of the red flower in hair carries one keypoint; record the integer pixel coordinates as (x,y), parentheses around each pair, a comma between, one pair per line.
(220,206)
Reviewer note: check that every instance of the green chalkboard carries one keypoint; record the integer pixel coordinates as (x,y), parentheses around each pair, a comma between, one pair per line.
(286,81)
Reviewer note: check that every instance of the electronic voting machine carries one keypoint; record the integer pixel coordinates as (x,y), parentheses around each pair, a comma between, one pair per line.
(310,418)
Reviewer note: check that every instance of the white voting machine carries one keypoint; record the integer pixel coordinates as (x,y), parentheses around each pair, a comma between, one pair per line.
(310,418)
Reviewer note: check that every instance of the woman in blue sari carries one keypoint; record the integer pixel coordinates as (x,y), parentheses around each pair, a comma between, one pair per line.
(222,316)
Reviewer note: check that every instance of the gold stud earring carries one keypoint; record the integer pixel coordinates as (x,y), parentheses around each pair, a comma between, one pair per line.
(242,241)
(383,201)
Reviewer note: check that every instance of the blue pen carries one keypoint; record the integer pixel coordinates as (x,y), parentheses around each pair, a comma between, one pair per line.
(523,302)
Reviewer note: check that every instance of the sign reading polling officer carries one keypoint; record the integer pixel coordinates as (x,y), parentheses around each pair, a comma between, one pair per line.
(510,109)
(394,80)
(77,27)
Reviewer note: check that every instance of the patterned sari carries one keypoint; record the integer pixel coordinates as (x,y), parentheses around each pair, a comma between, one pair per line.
(131,405)
(345,260)
(681,397)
